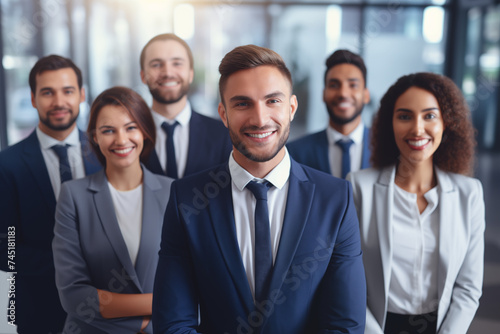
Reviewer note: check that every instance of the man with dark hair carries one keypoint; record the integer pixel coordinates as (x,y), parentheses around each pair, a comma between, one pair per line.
(186,141)
(259,244)
(31,173)
(344,145)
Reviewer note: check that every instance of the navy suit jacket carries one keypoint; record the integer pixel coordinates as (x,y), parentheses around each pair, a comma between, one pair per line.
(312,150)
(90,253)
(209,146)
(27,203)
(317,284)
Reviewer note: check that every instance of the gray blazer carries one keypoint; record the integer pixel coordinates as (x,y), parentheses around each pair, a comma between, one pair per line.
(90,253)
(461,245)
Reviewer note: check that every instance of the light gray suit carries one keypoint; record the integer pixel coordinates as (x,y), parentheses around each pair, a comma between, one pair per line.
(90,253)
(461,245)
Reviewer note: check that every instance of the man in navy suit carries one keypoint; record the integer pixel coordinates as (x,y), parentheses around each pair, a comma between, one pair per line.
(232,261)
(344,145)
(31,173)
(186,142)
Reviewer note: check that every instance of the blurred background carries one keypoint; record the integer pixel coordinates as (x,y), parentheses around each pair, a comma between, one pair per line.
(457,38)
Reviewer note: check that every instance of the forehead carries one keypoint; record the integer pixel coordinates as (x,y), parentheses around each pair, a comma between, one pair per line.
(164,50)
(113,115)
(64,77)
(344,71)
(257,82)
(416,98)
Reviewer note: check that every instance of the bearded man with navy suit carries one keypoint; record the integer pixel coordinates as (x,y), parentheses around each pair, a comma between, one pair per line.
(344,145)
(186,141)
(31,174)
(259,244)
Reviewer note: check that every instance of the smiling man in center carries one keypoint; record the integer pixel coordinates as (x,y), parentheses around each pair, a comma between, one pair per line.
(260,244)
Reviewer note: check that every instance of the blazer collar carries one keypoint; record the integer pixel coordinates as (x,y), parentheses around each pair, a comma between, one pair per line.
(98,184)
(32,155)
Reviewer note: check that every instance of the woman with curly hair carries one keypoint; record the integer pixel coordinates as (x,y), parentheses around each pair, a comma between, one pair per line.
(421,215)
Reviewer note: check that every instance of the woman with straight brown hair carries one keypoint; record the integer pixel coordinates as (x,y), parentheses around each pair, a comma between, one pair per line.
(107,231)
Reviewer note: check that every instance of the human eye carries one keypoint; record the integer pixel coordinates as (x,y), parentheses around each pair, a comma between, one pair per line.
(403,117)
(131,127)
(106,131)
(430,116)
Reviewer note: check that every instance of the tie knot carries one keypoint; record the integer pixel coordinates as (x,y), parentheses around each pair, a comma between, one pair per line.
(259,190)
(61,150)
(169,128)
(344,144)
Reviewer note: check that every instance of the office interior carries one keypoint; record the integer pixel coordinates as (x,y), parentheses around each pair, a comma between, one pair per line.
(457,38)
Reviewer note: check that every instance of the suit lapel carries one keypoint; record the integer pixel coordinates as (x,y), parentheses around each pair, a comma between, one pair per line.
(447,218)
(196,130)
(151,228)
(383,206)
(105,209)
(91,164)
(33,158)
(365,162)
(222,218)
(322,152)
(153,163)
(299,201)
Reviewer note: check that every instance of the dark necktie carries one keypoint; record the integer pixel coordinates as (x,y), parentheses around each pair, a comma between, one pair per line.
(346,157)
(263,254)
(64,167)
(171,163)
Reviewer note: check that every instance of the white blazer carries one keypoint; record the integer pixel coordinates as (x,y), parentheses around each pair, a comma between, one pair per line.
(461,245)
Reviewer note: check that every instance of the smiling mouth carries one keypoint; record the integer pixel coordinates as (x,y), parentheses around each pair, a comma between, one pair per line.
(169,84)
(418,143)
(123,151)
(260,135)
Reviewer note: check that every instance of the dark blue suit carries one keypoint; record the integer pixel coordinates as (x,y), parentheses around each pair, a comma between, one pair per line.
(312,150)
(209,146)
(317,284)
(27,202)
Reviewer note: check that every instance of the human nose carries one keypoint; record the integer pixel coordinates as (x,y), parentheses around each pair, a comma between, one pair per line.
(260,115)
(419,126)
(121,137)
(58,99)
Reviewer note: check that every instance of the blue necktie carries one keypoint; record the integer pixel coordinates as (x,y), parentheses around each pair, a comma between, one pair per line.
(263,254)
(64,167)
(171,162)
(346,157)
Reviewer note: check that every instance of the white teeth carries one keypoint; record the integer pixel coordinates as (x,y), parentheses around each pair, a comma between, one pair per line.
(344,105)
(124,151)
(418,143)
(260,135)
(169,84)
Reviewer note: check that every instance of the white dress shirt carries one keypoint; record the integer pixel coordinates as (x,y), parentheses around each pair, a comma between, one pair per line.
(181,139)
(244,210)
(335,152)
(52,160)
(414,271)
(128,210)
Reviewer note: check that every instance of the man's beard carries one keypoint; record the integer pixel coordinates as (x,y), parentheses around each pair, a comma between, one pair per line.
(46,121)
(238,144)
(170,97)
(343,120)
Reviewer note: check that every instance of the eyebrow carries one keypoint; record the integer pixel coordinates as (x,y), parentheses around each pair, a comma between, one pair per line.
(246,98)
(51,88)
(111,127)
(163,60)
(423,110)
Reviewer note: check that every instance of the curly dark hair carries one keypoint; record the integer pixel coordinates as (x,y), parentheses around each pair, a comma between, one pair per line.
(456,152)
(135,106)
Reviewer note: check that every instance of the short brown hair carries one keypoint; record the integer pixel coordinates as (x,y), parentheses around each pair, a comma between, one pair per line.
(456,151)
(53,63)
(137,109)
(345,57)
(167,37)
(247,57)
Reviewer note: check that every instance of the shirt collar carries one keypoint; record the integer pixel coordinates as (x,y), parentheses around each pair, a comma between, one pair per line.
(46,141)
(183,117)
(356,135)
(278,176)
